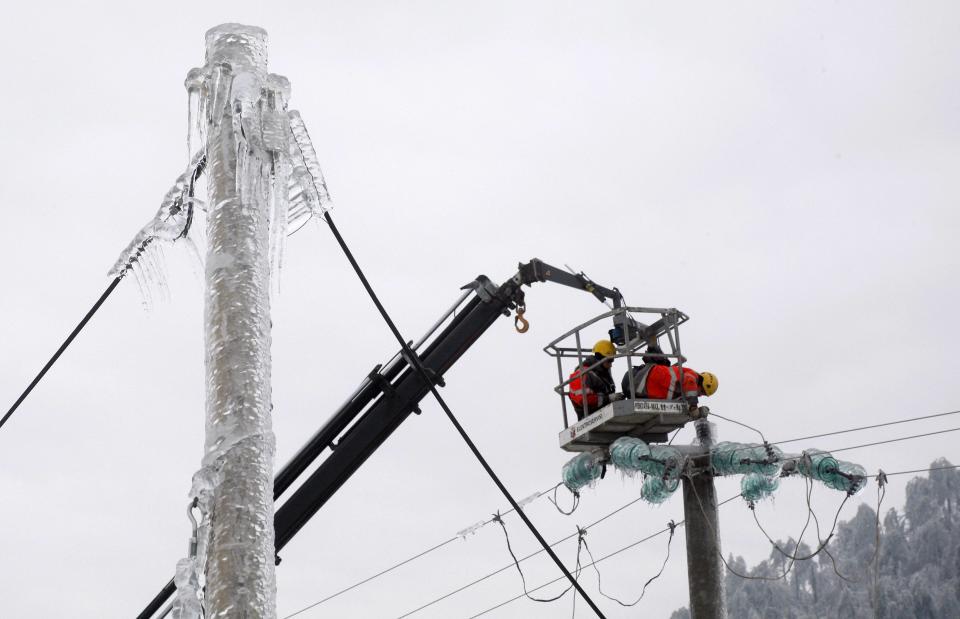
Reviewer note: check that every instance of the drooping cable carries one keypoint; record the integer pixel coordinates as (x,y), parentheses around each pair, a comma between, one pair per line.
(603,558)
(822,543)
(673,526)
(418,367)
(383,572)
(516,563)
(521,560)
(793,557)
(63,347)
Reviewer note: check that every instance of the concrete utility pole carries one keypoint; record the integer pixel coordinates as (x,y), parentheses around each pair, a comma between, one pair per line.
(240,580)
(702,528)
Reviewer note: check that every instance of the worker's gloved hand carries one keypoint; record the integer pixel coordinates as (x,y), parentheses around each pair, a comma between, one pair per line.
(616,397)
(692,402)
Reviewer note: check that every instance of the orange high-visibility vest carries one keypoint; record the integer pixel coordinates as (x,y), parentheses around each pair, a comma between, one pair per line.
(577,389)
(663,383)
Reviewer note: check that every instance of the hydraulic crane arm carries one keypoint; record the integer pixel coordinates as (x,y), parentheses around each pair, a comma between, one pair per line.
(391,392)
(539,271)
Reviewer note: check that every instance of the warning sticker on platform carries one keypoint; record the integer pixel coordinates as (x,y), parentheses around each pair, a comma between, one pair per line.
(658,406)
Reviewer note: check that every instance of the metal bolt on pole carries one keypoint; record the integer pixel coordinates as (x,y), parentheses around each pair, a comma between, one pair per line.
(702,528)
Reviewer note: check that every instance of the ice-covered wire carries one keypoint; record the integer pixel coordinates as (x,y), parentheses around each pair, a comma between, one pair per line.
(523,580)
(672,526)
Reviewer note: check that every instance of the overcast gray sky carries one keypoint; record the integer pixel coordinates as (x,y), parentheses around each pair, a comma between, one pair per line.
(785,173)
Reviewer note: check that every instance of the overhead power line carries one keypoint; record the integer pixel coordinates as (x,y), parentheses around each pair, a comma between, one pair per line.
(929,470)
(836,432)
(870,427)
(419,555)
(603,558)
(662,531)
(568,537)
(63,347)
(521,560)
(895,440)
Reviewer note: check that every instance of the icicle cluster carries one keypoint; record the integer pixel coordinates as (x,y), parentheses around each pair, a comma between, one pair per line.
(656,490)
(754,486)
(661,466)
(729,458)
(631,454)
(258,108)
(238,122)
(143,256)
(582,470)
(837,474)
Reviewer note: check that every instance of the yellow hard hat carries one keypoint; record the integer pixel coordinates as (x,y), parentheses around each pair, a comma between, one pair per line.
(709,382)
(605,348)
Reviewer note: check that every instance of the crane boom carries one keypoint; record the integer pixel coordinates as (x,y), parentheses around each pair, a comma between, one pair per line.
(392,392)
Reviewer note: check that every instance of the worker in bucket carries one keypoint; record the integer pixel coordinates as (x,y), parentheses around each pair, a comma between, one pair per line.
(654,356)
(652,381)
(593,379)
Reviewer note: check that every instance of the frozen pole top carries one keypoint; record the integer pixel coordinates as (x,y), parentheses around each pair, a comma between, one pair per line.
(244,48)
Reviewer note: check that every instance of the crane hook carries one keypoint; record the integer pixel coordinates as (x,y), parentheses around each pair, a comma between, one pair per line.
(520,323)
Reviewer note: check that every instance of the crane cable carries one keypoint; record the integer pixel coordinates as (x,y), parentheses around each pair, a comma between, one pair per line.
(414,360)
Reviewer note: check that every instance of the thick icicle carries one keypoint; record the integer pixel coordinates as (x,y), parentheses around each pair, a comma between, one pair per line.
(276,140)
(194,85)
(306,169)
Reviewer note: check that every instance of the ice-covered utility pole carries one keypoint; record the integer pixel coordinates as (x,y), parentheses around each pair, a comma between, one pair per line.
(246,174)
(263,177)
